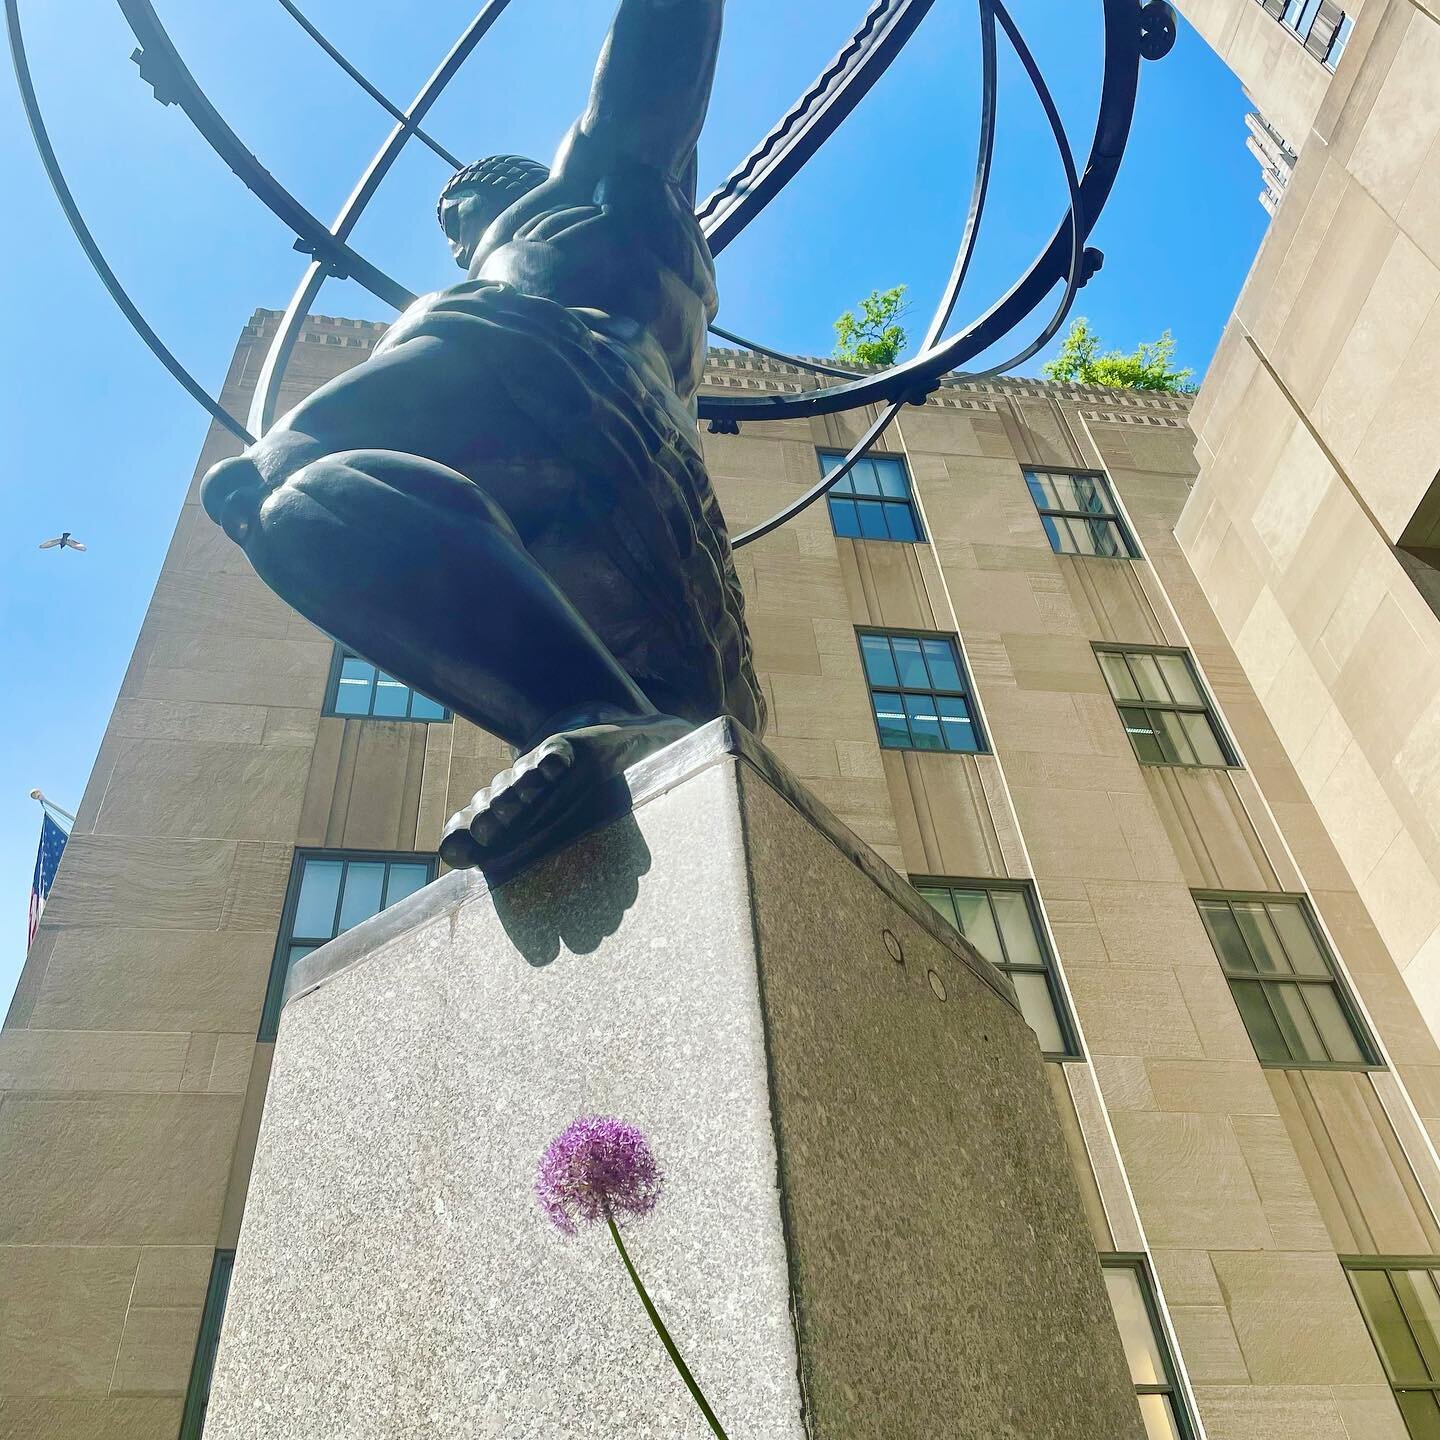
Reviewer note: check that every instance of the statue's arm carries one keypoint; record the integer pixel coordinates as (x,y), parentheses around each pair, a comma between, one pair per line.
(652,85)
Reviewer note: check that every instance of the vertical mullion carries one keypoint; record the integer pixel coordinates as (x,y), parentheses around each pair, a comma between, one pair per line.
(371,689)
(999,933)
(1319,1030)
(1279,1023)
(385,888)
(339,898)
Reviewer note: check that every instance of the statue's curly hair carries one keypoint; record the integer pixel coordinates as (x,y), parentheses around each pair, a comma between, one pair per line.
(510,175)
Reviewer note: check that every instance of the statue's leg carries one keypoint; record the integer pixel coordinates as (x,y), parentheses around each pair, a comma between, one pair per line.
(418,569)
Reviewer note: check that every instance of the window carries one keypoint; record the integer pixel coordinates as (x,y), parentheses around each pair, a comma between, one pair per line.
(919,692)
(1400,1301)
(1166,714)
(197,1396)
(1284,981)
(1338,41)
(873,501)
(1152,1370)
(358,688)
(1001,922)
(331,891)
(1079,514)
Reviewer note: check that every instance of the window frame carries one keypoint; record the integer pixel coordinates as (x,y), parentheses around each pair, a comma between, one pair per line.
(1207,707)
(822,451)
(1139,1264)
(207,1346)
(1387,1264)
(284,938)
(982,740)
(1364,1039)
(1129,543)
(1049,966)
(338,657)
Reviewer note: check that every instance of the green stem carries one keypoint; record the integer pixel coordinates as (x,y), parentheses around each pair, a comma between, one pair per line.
(661,1331)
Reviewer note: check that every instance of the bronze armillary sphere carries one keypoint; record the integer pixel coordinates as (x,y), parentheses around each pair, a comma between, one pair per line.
(506,505)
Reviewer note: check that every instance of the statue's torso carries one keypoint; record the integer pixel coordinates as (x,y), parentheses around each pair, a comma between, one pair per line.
(626,246)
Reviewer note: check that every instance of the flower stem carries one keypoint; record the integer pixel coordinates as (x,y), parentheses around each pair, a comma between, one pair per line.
(661,1331)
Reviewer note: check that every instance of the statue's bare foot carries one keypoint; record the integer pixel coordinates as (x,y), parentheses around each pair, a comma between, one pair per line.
(521,806)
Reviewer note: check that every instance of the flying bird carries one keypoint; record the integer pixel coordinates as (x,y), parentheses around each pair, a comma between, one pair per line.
(64,541)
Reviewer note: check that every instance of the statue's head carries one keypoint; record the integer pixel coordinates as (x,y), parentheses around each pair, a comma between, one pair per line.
(480,194)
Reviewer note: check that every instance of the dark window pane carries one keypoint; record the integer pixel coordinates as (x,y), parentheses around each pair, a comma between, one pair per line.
(1421,1411)
(843,519)
(1260,1021)
(392,699)
(872,520)
(902,523)
(1260,938)
(879,663)
(924,723)
(1416,1291)
(1038,1007)
(944,673)
(364,887)
(1334,1025)
(1293,1017)
(1226,935)
(1388,1327)
(355,686)
(1142,735)
(1174,742)
(956,724)
(910,661)
(892,477)
(890,718)
(405,880)
(319,891)
(422,707)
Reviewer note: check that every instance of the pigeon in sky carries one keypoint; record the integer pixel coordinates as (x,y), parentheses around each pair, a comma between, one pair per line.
(64,541)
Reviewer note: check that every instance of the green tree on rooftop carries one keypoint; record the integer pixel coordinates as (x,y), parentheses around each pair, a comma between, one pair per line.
(1147,367)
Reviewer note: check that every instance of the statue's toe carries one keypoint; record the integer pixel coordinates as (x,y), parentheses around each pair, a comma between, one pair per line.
(231,494)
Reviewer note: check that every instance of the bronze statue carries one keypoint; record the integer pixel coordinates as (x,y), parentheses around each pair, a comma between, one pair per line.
(506,506)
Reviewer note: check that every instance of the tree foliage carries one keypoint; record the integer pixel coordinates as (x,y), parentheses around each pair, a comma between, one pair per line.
(1147,367)
(875,336)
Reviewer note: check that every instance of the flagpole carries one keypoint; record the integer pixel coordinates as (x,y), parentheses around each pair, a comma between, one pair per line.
(51,805)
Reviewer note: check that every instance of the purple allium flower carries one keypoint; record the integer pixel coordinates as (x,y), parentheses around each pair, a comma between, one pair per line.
(597,1164)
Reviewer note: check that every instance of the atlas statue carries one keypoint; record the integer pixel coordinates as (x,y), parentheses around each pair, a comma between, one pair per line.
(505,505)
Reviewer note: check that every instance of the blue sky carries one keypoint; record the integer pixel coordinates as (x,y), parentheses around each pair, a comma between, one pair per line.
(95,437)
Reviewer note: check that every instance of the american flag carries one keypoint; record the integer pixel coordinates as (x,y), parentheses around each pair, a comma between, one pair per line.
(47,862)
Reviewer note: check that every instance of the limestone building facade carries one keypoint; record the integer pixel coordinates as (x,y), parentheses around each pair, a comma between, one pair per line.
(1312,527)
(992,658)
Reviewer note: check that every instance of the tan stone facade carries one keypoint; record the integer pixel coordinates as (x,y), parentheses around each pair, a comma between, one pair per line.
(1312,528)
(133,1080)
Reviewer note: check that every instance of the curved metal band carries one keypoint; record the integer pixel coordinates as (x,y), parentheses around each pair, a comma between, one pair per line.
(161,66)
(990,10)
(87,241)
(783,517)
(818,367)
(272,371)
(810,122)
(377,95)
(1117,108)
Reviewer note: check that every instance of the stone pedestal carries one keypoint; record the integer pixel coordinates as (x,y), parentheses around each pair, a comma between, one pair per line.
(869,1226)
